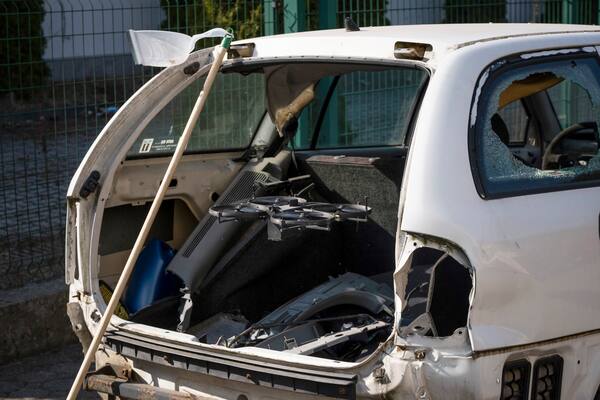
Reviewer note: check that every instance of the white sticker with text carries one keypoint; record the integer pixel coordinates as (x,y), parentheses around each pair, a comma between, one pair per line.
(146,145)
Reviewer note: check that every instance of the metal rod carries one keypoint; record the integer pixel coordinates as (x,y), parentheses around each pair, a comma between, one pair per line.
(142,236)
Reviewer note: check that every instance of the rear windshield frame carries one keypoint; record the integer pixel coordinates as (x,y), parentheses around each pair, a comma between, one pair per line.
(256,64)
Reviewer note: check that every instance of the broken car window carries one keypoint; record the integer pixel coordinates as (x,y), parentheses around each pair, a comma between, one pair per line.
(517,122)
(566,151)
(572,103)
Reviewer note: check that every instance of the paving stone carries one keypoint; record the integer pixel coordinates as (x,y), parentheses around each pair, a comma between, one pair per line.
(7,387)
(45,376)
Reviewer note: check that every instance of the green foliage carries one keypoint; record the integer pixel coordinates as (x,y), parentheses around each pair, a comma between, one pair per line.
(22,69)
(196,16)
(469,11)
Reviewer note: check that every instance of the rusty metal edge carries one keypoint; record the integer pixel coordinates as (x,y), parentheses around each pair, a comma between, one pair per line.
(124,389)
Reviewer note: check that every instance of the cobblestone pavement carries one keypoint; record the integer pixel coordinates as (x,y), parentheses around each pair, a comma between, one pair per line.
(45,376)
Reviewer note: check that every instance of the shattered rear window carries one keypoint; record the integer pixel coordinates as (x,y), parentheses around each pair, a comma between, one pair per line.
(501,170)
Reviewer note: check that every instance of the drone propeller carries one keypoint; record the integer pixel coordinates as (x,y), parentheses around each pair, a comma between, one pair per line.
(272,202)
(300,218)
(237,212)
(342,212)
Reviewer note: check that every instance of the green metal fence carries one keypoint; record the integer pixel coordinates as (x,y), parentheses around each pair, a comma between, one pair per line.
(65,68)
(382,12)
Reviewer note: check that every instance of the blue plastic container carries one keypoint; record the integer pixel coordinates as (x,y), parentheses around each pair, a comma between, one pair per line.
(150,280)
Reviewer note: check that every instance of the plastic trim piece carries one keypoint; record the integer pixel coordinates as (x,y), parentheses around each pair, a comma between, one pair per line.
(334,385)
(556,362)
(521,380)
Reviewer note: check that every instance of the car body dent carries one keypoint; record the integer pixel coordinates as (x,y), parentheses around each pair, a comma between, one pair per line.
(456,345)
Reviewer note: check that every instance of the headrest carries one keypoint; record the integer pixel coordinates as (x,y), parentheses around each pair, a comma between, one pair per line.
(500,128)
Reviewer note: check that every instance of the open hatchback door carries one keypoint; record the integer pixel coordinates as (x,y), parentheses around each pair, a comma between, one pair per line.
(273,250)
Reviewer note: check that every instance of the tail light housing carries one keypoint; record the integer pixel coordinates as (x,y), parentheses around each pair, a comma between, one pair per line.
(515,380)
(547,378)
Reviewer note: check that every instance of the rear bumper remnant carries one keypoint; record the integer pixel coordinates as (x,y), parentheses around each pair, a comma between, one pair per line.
(293,379)
(121,387)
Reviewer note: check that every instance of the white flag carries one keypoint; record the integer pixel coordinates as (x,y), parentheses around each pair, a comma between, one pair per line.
(164,48)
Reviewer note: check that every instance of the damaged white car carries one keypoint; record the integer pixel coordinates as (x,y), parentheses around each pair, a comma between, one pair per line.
(405,212)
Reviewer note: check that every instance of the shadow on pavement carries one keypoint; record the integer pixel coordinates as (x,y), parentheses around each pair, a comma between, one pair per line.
(45,376)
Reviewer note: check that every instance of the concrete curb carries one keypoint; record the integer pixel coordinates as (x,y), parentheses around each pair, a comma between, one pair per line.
(34,319)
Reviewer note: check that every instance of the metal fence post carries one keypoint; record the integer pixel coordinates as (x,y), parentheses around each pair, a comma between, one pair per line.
(567,12)
(327,20)
(294,16)
(269,16)
(328,14)
(294,20)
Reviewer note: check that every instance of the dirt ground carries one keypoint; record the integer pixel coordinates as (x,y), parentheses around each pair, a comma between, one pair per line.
(44,376)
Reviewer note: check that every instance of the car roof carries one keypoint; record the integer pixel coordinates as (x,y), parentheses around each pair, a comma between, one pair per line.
(378,42)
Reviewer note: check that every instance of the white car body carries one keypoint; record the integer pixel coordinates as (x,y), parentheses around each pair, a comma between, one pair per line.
(534,258)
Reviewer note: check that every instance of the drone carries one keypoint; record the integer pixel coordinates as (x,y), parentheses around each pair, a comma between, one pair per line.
(284,213)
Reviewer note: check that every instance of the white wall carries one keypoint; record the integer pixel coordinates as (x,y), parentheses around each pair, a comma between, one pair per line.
(401,12)
(92,28)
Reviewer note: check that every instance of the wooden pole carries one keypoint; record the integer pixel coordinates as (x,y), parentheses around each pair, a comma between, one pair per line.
(143,235)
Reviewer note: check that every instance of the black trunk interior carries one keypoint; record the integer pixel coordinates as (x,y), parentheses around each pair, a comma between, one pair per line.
(266,274)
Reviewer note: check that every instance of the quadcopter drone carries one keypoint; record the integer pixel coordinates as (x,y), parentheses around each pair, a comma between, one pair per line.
(284,213)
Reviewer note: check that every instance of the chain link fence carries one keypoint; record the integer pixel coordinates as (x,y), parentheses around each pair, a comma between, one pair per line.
(66,68)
